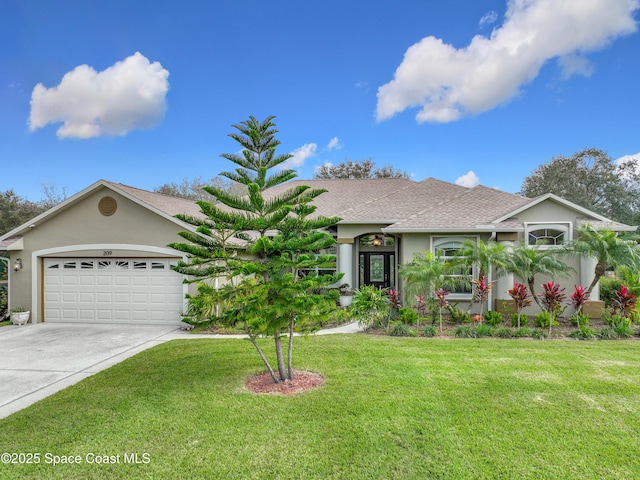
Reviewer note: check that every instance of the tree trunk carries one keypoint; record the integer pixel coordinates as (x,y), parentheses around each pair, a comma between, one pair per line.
(532,290)
(280,357)
(597,274)
(252,339)
(290,352)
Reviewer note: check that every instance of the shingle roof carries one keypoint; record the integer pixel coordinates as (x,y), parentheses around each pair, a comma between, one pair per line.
(165,203)
(468,209)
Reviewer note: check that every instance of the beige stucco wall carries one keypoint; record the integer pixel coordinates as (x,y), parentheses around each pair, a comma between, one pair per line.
(82,231)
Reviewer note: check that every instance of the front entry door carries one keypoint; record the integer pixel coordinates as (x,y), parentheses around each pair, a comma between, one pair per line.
(377,269)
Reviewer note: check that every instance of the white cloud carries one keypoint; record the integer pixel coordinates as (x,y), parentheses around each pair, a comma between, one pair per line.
(449,83)
(488,19)
(469,180)
(128,95)
(300,155)
(334,144)
(627,158)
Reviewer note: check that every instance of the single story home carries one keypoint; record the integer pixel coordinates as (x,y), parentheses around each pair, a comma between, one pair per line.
(102,255)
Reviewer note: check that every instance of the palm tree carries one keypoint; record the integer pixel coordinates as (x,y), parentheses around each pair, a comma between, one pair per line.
(425,274)
(484,256)
(527,262)
(606,248)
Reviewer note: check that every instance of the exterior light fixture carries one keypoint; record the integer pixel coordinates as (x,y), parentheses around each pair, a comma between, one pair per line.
(17,266)
(377,241)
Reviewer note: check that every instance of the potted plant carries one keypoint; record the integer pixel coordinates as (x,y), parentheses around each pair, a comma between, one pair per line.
(346,295)
(19,316)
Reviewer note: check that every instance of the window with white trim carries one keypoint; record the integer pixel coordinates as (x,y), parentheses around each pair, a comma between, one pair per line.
(447,249)
(547,235)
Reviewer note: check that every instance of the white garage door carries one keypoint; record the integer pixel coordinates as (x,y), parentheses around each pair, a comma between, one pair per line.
(118,290)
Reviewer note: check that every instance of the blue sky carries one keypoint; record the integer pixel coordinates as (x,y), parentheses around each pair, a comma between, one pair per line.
(144,92)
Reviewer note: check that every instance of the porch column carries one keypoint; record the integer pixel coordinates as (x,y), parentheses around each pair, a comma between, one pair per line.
(505,282)
(345,261)
(587,268)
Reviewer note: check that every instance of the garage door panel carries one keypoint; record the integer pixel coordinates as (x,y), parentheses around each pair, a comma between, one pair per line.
(116,290)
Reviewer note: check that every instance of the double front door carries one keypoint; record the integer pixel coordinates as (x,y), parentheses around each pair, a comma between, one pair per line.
(377,269)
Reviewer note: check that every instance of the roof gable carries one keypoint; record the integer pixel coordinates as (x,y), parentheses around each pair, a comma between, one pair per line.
(160,204)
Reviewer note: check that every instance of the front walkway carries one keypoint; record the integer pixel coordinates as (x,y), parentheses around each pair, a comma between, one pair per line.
(39,360)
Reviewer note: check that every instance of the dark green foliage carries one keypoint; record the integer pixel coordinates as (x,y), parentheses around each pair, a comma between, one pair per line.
(458,315)
(580,320)
(539,333)
(503,332)
(543,319)
(430,331)
(466,331)
(607,288)
(362,169)
(585,333)
(408,315)
(607,333)
(257,255)
(522,332)
(402,330)
(591,179)
(524,319)
(493,318)
(484,330)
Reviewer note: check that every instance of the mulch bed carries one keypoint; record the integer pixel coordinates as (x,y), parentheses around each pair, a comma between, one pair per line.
(262,383)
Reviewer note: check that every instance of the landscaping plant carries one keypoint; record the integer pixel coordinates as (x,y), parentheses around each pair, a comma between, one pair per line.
(521,298)
(552,297)
(255,256)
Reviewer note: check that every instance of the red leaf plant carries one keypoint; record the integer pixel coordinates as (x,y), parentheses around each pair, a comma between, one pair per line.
(624,302)
(552,297)
(521,298)
(441,300)
(482,289)
(579,298)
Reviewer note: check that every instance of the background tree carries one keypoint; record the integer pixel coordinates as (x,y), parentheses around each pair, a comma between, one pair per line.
(194,189)
(261,248)
(16,210)
(590,179)
(360,169)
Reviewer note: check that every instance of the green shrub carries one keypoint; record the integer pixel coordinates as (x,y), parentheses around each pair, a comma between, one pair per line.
(402,330)
(542,320)
(579,320)
(484,330)
(493,318)
(430,331)
(584,333)
(459,315)
(524,320)
(607,288)
(607,333)
(3,301)
(522,332)
(503,332)
(623,329)
(539,333)
(408,315)
(466,331)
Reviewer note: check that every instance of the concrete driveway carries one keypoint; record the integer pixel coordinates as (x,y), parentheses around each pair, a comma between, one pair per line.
(41,359)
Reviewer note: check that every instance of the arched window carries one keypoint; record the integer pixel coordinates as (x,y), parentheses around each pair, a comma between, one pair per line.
(547,235)
(447,249)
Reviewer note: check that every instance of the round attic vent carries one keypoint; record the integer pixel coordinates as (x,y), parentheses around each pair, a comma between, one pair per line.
(107,206)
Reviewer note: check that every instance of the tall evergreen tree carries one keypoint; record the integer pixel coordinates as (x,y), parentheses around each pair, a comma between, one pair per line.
(256,257)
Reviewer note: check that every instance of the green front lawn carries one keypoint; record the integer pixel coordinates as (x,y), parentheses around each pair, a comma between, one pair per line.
(390,408)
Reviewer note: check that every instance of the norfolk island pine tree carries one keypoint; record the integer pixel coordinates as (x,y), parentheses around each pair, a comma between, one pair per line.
(255,257)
